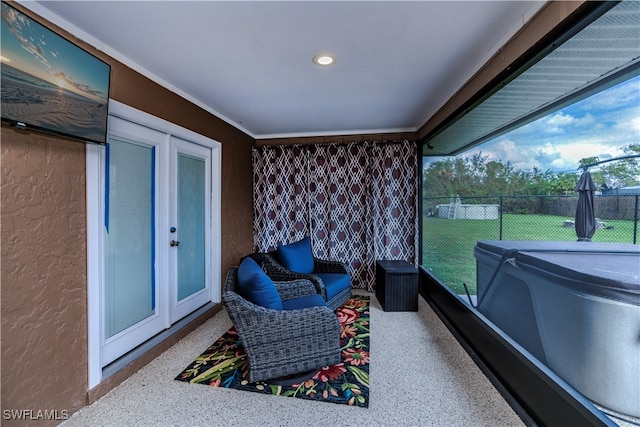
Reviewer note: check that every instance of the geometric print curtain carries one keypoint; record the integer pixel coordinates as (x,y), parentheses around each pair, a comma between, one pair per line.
(357,202)
(395,218)
(341,208)
(280,196)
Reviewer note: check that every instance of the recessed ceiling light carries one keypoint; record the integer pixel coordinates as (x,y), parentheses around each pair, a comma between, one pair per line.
(324,59)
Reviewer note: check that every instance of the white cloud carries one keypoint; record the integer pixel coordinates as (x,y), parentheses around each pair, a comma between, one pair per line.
(557,154)
(507,150)
(564,123)
(634,124)
(560,119)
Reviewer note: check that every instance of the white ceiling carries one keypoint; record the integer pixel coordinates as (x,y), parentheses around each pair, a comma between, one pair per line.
(251,62)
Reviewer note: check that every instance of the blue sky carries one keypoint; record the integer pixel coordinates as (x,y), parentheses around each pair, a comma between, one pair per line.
(598,126)
(29,47)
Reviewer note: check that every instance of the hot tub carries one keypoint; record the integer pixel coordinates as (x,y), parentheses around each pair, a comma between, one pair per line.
(573,305)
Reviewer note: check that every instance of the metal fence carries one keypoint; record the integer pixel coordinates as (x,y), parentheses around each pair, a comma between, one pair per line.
(537,216)
(453,225)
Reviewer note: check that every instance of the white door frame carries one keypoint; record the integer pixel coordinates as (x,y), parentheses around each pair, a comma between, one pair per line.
(95,162)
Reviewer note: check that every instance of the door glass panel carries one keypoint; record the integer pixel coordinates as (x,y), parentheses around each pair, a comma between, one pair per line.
(191,225)
(129,242)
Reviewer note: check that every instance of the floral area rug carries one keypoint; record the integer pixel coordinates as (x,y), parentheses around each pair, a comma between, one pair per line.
(224,364)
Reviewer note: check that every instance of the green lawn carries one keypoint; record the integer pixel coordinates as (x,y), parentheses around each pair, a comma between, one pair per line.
(448,244)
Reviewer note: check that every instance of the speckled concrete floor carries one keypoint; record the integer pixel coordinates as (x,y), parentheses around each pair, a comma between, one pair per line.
(420,376)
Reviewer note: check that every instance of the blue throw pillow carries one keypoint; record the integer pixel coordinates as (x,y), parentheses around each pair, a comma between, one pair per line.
(256,286)
(297,256)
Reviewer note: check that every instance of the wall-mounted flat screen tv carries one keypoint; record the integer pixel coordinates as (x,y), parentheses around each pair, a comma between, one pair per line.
(49,84)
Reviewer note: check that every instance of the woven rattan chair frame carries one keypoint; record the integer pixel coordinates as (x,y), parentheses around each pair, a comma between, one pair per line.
(283,342)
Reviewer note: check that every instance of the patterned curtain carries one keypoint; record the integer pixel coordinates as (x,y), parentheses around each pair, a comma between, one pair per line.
(280,199)
(358,202)
(340,203)
(395,213)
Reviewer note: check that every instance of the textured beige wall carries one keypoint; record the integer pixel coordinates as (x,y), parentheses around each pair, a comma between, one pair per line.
(43,302)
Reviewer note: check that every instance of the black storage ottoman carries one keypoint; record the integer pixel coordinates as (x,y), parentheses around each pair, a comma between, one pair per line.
(397,285)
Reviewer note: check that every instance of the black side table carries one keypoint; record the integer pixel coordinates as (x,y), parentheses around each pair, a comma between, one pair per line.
(397,285)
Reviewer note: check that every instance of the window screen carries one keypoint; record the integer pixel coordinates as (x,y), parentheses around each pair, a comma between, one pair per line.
(604,53)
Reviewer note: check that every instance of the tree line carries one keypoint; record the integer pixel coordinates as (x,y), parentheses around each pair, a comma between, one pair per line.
(478,176)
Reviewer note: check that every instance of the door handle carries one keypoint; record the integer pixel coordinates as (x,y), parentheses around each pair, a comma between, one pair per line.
(174,243)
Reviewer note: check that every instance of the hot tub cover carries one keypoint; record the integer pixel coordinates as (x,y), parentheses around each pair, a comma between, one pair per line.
(609,270)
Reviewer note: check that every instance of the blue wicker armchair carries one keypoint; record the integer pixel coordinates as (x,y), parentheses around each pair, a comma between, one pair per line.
(296,261)
(322,269)
(301,337)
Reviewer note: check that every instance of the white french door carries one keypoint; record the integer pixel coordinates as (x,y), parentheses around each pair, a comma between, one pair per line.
(158,260)
(190,229)
(131,301)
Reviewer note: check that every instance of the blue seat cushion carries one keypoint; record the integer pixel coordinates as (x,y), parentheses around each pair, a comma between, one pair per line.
(306,301)
(297,256)
(334,283)
(256,286)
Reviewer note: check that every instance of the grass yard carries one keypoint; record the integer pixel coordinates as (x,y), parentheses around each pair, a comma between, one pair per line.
(448,244)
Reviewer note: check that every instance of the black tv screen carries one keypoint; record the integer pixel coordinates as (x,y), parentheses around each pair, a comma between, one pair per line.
(50,84)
